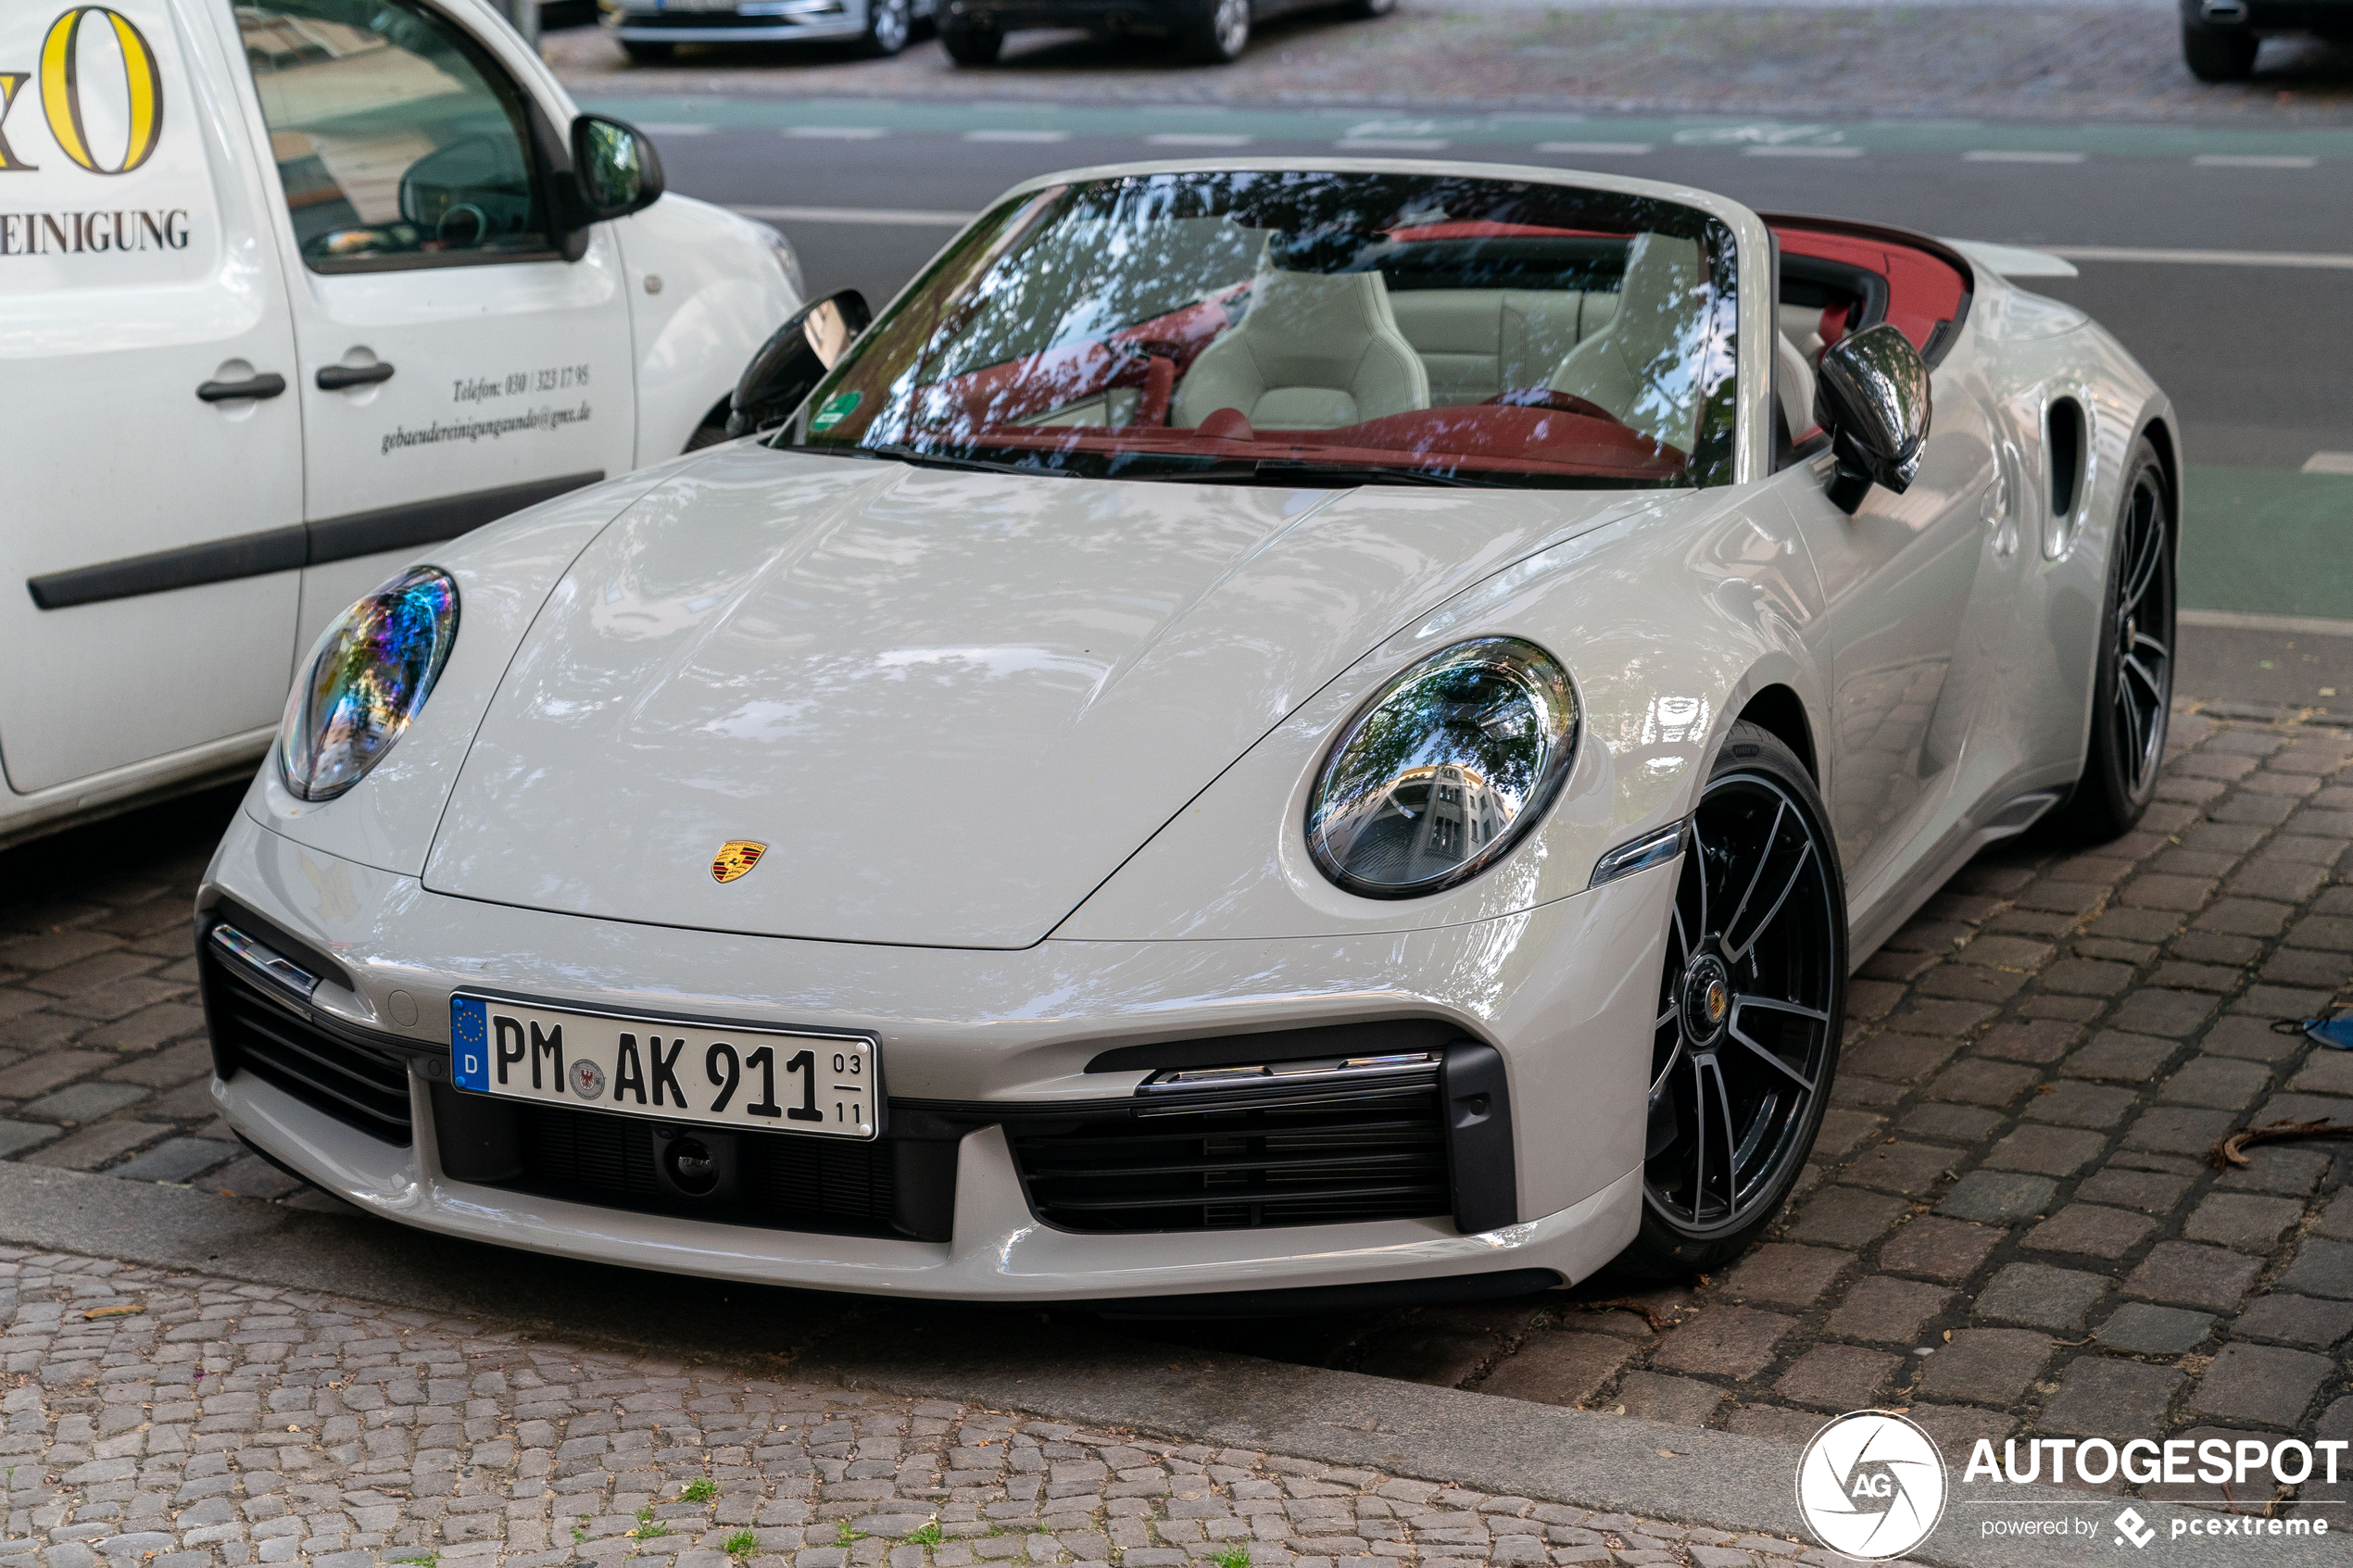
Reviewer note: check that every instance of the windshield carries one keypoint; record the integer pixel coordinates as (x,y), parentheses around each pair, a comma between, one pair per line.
(1308,328)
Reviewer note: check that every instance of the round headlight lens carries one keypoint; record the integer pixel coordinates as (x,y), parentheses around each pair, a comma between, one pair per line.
(1444,769)
(369,675)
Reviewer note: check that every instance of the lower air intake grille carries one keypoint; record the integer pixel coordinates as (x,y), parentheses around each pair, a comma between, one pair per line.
(1229,1160)
(254,1032)
(781,1182)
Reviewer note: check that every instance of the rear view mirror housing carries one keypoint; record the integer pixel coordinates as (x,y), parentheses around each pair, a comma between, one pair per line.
(1872,394)
(615,169)
(794,360)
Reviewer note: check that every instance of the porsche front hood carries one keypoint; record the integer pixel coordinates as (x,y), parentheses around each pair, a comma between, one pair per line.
(948,703)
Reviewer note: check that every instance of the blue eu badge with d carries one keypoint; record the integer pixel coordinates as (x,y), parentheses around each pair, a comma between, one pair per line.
(468,1044)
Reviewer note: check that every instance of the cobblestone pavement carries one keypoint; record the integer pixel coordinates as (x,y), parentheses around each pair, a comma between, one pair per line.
(171,1421)
(2011,1227)
(1996,62)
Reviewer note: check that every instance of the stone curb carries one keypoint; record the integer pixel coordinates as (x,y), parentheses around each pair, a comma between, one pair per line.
(1615,1463)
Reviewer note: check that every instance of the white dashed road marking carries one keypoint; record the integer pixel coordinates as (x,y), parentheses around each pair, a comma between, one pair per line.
(1793,151)
(897,217)
(2251,160)
(2329,462)
(1596,149)
(1392,145)
(1198,139)
(1038,136)
(1994,155)
(837,132)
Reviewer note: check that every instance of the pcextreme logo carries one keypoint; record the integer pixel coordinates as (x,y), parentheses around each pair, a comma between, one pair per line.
(61,67)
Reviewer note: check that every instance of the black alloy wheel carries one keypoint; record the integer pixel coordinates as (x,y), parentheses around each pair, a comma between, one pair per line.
(2133,671)
(889,23)
(1752,997)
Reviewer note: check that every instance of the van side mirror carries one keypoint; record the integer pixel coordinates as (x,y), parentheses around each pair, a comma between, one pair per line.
(615,167)
(794,360)
(1872,394)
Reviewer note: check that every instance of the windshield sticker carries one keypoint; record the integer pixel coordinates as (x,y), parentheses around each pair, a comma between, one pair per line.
(839,406)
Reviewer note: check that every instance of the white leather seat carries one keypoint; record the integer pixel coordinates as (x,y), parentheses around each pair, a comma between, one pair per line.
(1475,343)
(1640,367)
(1314,351)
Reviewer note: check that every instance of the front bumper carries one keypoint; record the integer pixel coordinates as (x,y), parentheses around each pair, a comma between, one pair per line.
(761,22)
(1153,18)
(2330,19)
(1560,996)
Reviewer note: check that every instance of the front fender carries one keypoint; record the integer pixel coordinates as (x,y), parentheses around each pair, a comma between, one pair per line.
(1669,621)
(718,290)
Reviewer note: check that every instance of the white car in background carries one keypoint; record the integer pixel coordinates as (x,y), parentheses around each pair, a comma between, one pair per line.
(1268,725)
(288,290)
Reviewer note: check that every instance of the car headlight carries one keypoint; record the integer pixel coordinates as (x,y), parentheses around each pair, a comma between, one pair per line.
(369,675)
(1444,769)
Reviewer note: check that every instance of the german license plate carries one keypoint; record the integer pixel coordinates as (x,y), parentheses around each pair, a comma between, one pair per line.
(768,1079)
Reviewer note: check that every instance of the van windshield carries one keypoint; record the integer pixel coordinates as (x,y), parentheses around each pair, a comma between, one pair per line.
(1308,327)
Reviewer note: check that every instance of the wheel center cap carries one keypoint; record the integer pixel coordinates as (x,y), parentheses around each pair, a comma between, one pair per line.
(1707,997)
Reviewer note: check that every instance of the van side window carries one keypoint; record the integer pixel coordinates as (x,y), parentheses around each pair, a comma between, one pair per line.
(399,142)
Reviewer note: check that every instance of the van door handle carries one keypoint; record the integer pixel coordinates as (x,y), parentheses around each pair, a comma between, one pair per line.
(252,386)
(334,377)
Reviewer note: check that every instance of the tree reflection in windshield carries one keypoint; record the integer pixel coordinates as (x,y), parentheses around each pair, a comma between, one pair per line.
(1259,326)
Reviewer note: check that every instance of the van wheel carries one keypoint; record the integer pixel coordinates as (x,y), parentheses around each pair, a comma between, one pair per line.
(1219,34)
(1366,11)
(649,54)
(1752,999)
(2218,54)
(971,45)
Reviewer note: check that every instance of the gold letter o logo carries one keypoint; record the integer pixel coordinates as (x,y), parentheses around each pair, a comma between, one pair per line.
(61,90)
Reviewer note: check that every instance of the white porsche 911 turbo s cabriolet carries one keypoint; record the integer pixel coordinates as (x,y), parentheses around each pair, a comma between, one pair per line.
(1265,726)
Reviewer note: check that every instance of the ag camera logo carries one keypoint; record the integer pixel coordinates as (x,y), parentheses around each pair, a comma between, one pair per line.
(1871,1486)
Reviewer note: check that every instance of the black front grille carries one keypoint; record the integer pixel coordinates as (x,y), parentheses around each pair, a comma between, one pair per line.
(781,1181)
(1213,1159)
(254,1031)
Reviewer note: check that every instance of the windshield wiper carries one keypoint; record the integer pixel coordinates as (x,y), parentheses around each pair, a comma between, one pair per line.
(922,459)
(1299,470)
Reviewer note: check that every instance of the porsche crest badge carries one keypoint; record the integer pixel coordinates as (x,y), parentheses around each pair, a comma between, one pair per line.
(735,859)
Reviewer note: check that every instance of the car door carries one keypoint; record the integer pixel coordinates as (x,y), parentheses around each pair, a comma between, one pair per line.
(151,541)
(454,365)
(1909,659)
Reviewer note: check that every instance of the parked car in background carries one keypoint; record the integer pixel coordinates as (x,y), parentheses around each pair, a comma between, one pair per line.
(1212,32)
(293,288)
(650,31)
(1268,723)
(2220,37)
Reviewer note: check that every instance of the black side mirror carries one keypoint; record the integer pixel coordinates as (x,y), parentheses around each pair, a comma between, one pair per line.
(615,167)
(1873,395)
(794,360)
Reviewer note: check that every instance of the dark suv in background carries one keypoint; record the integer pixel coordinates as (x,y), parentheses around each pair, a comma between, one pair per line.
(2219,37)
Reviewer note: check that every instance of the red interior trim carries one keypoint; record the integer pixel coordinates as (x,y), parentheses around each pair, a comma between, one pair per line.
(1923,289)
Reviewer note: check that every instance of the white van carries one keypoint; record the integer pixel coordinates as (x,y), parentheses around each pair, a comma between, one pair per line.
(289,288)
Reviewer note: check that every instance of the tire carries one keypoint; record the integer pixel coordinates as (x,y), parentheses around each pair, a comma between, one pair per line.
(2218,54)
(1366,11)
(2133,669)
(971,45)
(1750,1011)
(649,54)
(1219,34)
(889,23)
